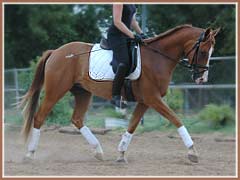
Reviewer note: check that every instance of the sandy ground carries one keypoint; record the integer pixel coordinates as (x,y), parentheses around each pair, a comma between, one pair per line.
(150,154)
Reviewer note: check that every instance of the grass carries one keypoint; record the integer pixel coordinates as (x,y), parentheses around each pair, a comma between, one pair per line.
(96,117)
(13,116)
(152,121)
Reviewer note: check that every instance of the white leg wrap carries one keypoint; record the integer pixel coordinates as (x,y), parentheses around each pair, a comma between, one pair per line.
(88,135)
(33,143)
(185,136)
(125,141)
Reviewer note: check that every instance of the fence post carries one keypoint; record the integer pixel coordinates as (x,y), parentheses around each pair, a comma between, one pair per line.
(144,18)
(186,102)
(142,121)
(16,83)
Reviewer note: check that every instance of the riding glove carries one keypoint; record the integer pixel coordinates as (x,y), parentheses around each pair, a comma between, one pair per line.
(138,39)
(143,36)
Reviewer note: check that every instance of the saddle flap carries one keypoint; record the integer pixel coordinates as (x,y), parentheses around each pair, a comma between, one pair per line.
(133,58)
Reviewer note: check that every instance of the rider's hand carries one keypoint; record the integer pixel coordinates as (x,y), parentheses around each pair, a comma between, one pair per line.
(138,39)
(143,36)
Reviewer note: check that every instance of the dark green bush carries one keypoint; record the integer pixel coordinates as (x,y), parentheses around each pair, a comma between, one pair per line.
(25,78)
(174,99)
(217,116)
(62,112)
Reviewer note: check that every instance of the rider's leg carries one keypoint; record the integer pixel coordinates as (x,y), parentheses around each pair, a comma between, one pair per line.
(120,54)
(117,85)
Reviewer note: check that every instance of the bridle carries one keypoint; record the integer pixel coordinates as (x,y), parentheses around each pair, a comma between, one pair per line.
(194,66)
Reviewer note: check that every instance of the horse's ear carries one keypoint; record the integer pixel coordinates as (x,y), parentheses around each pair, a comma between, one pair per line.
(216,31)
(207,32)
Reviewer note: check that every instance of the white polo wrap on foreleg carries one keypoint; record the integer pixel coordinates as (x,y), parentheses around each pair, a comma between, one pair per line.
(88,135)
(185,136)
(33,143)
(125,141)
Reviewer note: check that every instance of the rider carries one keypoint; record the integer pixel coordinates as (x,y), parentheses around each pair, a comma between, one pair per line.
(118,35)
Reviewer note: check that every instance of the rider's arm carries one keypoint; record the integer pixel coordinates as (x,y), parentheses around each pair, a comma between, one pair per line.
(117,20)
(135,26)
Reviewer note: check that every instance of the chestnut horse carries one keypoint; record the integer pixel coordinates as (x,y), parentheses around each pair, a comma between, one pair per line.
(57,74)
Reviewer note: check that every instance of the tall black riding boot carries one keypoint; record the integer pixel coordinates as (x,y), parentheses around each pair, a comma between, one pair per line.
(117,86)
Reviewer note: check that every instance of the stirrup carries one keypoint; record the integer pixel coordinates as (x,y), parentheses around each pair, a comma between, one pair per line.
(118,102)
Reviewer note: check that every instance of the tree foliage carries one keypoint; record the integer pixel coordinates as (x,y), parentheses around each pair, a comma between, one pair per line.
(32,29)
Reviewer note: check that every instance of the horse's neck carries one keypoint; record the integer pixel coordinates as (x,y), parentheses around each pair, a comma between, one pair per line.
(173,45)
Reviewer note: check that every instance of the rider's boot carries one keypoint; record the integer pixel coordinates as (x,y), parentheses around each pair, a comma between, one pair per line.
(117,86)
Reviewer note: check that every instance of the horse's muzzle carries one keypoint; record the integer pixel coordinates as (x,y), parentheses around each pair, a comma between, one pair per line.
(199,80)
(202,79)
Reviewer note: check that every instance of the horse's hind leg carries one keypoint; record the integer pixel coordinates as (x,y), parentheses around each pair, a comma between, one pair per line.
(40,116)
(82,101)
(54,90)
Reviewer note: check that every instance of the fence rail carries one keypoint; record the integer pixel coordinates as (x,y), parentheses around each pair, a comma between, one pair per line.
(220,58)
(13,89)
(204,86)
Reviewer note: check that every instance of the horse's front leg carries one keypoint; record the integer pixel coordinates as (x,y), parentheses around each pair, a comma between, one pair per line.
(160,106)
(127,136)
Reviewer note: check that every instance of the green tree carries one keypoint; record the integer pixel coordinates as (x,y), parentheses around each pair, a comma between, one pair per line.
(32,29)
(86,24)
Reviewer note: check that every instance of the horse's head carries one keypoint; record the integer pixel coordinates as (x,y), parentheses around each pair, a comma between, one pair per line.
(200,53)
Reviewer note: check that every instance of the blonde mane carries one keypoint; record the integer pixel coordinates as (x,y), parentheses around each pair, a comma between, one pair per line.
(167,33)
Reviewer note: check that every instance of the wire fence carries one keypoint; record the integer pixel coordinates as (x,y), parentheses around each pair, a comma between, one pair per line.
(195,96)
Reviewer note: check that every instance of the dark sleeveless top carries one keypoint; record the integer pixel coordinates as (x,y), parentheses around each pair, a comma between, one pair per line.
(127,15)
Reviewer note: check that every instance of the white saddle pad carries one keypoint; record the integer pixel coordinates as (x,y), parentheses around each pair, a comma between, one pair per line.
(100,68)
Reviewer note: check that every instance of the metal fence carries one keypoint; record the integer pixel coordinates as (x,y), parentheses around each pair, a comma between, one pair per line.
(195,96)
(13,89)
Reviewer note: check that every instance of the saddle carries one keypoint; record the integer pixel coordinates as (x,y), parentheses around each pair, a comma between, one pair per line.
(132,50)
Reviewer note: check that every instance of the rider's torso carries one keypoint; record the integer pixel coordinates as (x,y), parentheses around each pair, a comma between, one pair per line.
(127,15)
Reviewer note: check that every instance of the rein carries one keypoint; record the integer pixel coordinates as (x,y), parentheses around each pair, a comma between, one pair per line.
(194,66)
(159,52)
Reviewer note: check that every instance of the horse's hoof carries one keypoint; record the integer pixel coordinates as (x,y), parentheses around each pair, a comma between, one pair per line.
(122,158)
(193,155)
(98,153)
(193,158)
(29,157)
(99,156)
